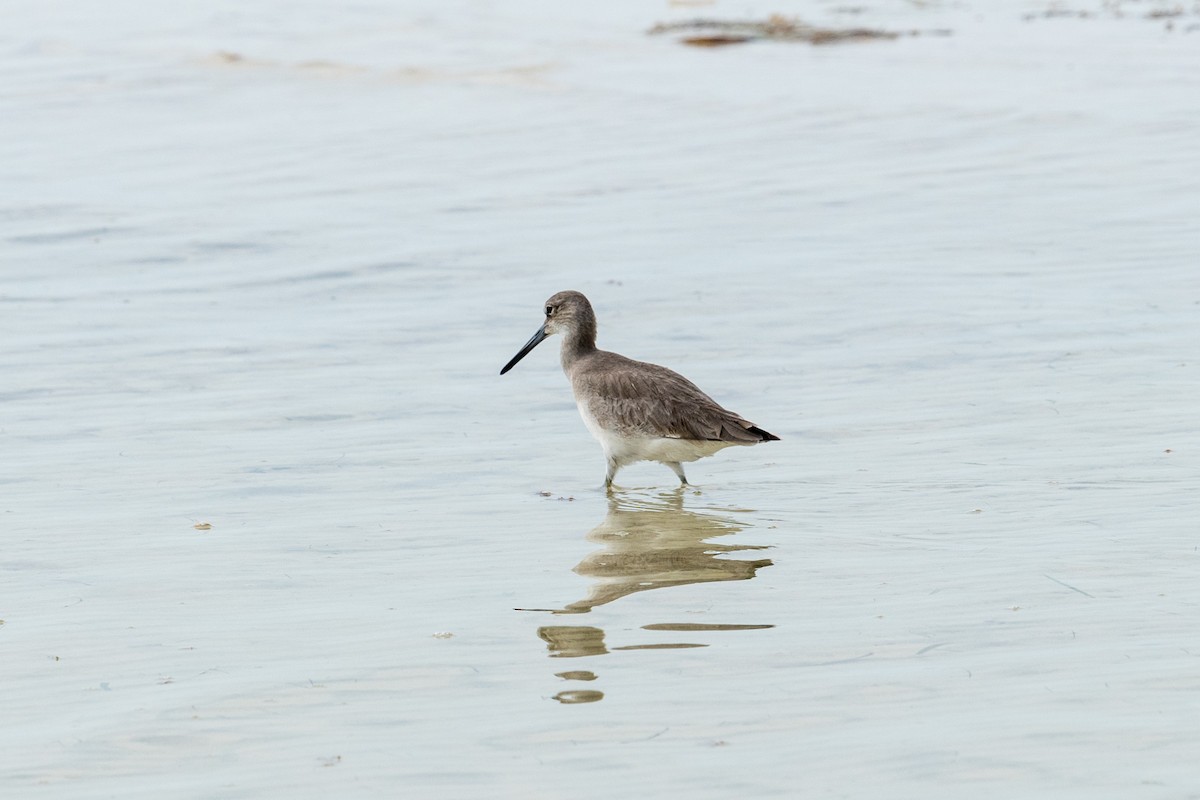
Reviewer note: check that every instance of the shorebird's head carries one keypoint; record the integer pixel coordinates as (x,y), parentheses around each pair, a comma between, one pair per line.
(568,313)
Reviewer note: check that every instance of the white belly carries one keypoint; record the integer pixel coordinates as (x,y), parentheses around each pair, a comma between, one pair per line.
(628,449)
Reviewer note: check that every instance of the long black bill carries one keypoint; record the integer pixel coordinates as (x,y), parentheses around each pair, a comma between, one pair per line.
(532,343)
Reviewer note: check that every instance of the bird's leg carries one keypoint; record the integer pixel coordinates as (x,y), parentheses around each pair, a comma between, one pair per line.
(677,468)
(612,473)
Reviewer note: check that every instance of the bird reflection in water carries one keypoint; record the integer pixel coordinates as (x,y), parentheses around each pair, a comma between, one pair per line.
(647,543)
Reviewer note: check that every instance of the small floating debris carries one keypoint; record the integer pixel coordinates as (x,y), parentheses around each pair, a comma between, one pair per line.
(716,40)
(1162,11)
(203,526)
(443,635)
(1059,13)
(720,32)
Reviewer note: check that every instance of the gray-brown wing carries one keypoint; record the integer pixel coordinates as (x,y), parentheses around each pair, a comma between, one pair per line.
(639,398)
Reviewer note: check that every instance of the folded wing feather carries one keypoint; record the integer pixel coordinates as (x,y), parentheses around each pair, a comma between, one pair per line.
(637,398)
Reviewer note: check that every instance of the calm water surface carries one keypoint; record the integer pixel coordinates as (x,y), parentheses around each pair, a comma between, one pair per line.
(273,525)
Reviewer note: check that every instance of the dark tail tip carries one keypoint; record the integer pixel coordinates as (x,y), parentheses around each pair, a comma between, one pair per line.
(763,436)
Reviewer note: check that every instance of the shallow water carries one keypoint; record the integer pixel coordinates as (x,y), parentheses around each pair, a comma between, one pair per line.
(261,267)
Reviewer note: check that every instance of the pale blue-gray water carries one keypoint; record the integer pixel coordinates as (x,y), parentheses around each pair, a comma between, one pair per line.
(272,525)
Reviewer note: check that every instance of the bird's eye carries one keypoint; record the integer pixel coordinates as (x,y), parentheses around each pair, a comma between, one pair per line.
(549,310)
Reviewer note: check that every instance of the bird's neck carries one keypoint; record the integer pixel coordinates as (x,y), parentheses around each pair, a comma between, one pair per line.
(578,343)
